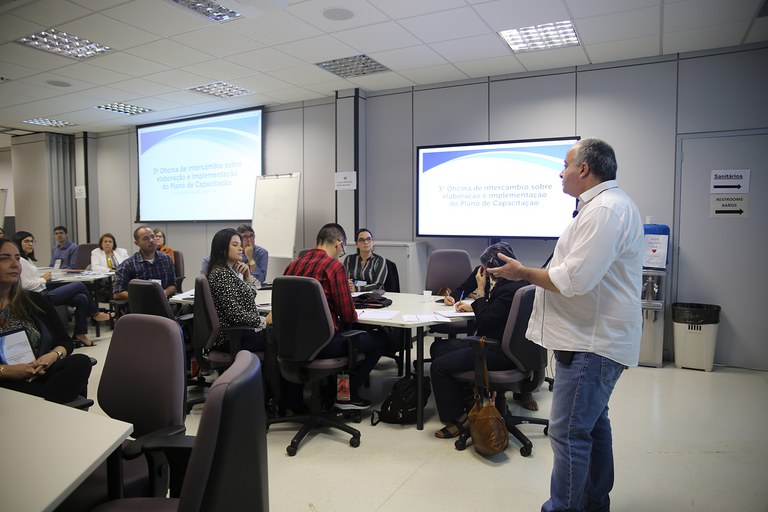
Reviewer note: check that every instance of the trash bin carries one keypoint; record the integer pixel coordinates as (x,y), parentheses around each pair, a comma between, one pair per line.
(695,334)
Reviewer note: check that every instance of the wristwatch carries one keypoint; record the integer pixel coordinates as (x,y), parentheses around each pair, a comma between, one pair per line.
(59,354)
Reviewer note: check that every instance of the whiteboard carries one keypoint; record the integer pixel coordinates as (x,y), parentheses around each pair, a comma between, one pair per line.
(275,213)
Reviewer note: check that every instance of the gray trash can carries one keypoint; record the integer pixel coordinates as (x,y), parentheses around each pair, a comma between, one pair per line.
(695,334)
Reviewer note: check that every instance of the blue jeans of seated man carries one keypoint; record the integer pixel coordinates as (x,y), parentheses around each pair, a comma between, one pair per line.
(580,434)
(75,295)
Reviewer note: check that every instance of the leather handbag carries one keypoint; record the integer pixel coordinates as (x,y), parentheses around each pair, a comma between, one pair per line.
(486,425)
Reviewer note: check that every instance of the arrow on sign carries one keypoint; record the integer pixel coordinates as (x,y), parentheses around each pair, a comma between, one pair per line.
(727,186)
(730,211)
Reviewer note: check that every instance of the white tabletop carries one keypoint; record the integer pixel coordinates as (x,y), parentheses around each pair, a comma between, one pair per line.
(85,277)
(49,449)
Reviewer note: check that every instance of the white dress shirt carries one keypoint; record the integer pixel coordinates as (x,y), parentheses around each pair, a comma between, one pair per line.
(99,259)
(30,277)
(597,267)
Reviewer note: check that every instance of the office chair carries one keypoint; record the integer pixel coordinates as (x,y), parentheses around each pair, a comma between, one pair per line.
(302,326)
(225,466)
(83,255)
(205,333)
(530,362)
(142,383)
(392,282)
(303,252)
(178,259)
(447,268)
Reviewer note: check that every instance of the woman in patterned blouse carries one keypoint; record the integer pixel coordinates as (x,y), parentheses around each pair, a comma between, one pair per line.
(234,291)
(367,271)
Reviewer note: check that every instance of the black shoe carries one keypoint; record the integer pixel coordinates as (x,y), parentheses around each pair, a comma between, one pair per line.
(355,402)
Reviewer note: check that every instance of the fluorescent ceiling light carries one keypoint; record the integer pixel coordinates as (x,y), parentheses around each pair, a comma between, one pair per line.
(211,10)
(62,43)
(348,67)
(44,121)
(541,37)
(124,108)
(221,90)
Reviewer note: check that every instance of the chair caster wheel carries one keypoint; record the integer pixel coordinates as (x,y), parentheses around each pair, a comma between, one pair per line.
(525,451)
(546,430)
(354,442)
(460,445)
(291,450)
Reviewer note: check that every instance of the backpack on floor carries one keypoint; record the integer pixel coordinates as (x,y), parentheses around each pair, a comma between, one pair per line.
(400,406)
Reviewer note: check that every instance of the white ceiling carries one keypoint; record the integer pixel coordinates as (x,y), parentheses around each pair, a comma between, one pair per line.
(159,49)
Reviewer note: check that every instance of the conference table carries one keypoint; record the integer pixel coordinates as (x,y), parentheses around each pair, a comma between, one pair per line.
(49,449)
(89,278)
(408,311)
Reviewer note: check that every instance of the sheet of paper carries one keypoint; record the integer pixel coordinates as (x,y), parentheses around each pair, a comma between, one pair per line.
(425,318)
(15,348)
(190,294)
(452,313)
(380,314)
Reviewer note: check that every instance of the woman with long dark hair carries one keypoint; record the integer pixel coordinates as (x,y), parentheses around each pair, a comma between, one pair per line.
(233,289)
(367,271)
(48,368)
(69,294)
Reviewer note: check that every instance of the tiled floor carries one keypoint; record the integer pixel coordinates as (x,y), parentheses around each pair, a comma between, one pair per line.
(683,440)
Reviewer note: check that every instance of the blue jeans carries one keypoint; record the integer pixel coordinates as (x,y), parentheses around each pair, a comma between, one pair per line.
(75,295)
(580,433)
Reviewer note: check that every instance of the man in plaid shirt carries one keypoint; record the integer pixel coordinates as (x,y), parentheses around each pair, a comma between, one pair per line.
(148,263)
(322,263)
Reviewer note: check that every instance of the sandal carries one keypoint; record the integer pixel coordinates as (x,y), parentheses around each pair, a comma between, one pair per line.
(105,318)
(526,400)
(451,430)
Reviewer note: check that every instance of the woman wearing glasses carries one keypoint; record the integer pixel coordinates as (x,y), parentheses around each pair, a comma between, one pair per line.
(367,271)
(69,294)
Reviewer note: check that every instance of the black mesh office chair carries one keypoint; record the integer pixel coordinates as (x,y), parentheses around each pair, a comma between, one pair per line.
(302,326)
(225,466)
(178,262)
(530,363)
(142,383)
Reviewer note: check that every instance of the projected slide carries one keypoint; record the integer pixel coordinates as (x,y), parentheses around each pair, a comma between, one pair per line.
(510,189)
(200,169)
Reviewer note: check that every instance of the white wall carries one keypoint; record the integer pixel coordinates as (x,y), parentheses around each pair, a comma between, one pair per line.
(6,181)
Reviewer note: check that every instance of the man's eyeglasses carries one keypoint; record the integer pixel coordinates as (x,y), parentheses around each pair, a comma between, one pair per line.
(252,236)
(364,240)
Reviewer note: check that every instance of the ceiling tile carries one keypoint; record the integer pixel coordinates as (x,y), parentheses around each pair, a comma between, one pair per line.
(587,8)
(553,59)
(51,13)
(265,60)
(311,11)
(169,52)
(382,81)
(109,32)
(166,18)
(398,9)
(143,87)
(277,28)
(758,32)
(218,69)
(16,72)
(490,67)
(376,38)
(294,94)
(703,13)
(304,75)
(704,38)
(75,84)
(408,58)
(456,23)
(624,50)
(261,83)
(478,47)
(13,27)
(506,14)
(615,27)
(129,64)
(106,94)
(317,49)
(218,41)
(32,58)
(178,79)
(434,74)
(27,88)
(90,73)
(97,5)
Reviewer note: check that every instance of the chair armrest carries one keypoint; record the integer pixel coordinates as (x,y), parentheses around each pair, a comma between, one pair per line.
(137,446)
(81,403)
(235,333)
(174,451)
(351,337)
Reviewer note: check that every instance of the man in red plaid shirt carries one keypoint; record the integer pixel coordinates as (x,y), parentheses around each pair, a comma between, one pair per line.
(322,263)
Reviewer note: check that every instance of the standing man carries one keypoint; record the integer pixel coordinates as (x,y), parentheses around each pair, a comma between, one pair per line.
(63,249)
(587,309)
(148,263)
(322,263)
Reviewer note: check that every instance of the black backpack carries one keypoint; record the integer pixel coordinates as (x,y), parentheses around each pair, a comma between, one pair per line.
(400,406)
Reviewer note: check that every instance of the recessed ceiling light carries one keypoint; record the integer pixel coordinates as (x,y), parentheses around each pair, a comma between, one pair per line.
(62,43)
(357,65)
(559,34)
(221,90)
(44,121)
(124,108)
(211,10)
(338,14)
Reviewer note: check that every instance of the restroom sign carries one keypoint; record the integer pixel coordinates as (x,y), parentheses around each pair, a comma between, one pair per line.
(729,205)
(733,181)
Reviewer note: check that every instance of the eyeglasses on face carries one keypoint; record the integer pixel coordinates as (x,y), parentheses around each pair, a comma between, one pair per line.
(252,236)
(29,241)
(364,240)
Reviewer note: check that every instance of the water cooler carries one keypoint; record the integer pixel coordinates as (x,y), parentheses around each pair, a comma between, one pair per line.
(654,294)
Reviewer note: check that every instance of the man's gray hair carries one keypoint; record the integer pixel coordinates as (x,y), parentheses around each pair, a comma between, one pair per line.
(599,156)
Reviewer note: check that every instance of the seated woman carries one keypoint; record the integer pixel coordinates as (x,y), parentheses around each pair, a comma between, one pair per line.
(160,241)
(458,355)
(233,290)
(54,373)
(69,294)
(367,271)
(107,256)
